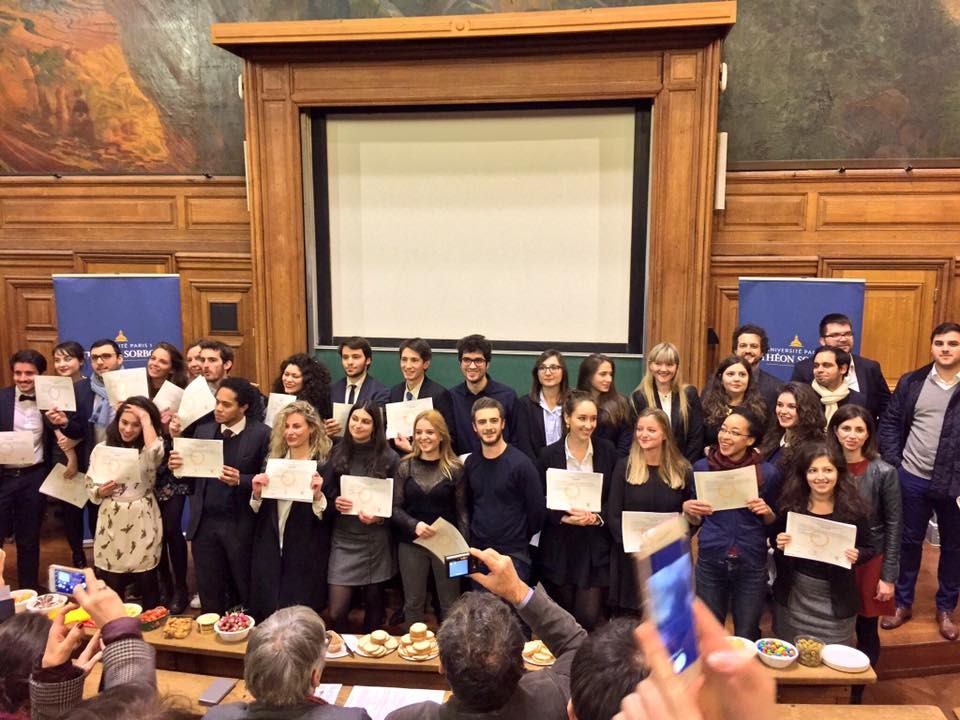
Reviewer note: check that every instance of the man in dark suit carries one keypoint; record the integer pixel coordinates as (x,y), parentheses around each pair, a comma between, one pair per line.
(21,504)
(865,375)
(358,384)
(221,521)
(750,343)
(415,357)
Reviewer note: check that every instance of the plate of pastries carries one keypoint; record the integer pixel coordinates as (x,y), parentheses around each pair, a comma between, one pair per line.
(377,644)
(336,647)
(419,644)
(536,653)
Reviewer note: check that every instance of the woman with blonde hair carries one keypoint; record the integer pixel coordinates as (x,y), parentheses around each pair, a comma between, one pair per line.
(291,541)
(662,388)
(654,477)
(429,484)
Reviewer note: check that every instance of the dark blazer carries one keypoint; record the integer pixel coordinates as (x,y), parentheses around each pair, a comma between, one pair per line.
(308,710)
(869,378)
(529,433)
(429,389)
(372,389)
(8,396)
(769,388)
(251,455)
(542,694)
(690,440)
(78,425)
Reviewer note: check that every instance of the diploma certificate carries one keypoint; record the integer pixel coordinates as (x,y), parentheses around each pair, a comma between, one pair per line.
(16,448)
(122,465)
(122,384)
(72,490)
(289,479)
(570,490)
(815,538)
(374,496)
(55,392)
(400,416)
(196,401)
(341,411)
(275,403)
(635,525)
(727,489)
(446,541)
(201,458)
(168,397)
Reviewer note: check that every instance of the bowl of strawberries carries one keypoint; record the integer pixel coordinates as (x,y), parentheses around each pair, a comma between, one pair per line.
(234,626)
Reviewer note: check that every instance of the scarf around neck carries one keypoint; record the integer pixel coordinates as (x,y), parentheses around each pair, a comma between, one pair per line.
(830,398)
(101,415)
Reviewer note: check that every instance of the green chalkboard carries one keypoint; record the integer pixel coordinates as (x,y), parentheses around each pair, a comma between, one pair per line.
(512,369)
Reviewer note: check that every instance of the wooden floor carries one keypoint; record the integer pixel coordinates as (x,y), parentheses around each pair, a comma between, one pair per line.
(917,666)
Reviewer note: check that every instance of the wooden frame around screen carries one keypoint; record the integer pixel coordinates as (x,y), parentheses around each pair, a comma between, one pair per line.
(667,53)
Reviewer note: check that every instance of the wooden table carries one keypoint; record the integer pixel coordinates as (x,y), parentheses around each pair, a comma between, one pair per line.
(861,712)
(801,684)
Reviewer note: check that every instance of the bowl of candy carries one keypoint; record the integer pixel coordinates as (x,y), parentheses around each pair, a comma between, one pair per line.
(776,653)
(810,649)
(234,626)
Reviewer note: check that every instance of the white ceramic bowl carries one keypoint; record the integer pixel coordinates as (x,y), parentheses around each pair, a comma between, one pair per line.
(777,661)
(132,609)
(49,604)
(22,597)
(236,635)
(742,645)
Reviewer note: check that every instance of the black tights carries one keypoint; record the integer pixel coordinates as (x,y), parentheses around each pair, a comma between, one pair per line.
(174,553)
(585,604)
(374,601)
(868,642)
(146,584)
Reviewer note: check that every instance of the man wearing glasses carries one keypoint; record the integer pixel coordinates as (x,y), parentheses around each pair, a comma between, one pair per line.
(864,376)
(474,353)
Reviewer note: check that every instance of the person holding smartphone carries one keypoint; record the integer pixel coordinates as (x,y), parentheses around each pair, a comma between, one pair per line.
(575,545)
(429,484)
(363,553)
(654,477)
(732,558)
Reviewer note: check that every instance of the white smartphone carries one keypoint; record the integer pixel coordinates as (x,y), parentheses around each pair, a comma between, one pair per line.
(665,572)
(62,579)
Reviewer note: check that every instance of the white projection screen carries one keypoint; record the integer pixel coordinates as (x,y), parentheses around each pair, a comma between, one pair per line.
(514,224)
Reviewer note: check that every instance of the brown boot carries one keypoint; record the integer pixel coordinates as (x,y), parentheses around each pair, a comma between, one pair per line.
(897,619)
(947,627)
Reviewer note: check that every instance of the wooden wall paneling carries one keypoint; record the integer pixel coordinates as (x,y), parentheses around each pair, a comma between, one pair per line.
(905,291)
(129,263)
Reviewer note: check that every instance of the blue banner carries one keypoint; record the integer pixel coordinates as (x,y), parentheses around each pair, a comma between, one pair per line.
(790,309)
(137,311)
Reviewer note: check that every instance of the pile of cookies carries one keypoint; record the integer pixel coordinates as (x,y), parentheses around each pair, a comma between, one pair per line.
(536,653)
(177,628)
(419,645)
(334,643)
(377,644)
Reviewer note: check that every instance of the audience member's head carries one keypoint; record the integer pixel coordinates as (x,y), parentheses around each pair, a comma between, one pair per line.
(481,648)
(606,668)
(285,656)
(23,638)
(130,701)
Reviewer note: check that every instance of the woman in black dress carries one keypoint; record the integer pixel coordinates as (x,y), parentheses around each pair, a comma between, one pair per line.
(291,541)
(538,415)
(575,545)
(615,418)
(654,477)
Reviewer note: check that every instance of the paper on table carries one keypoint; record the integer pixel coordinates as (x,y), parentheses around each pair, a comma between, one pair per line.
(635,524)
(447,540)
(55,392)
(275,403)
(341,411)
(72,490)
(381,701)
(122,384)
(196,401)
(290,479)
(328,692)
(16,448)
(815,538)
(400,416)
(168,397)
(572,490)
(201,458)
(114,463)
(373,496)
(727,489)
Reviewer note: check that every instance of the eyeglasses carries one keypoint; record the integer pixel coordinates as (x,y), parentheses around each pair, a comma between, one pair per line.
(731,433)
(839,335)
(473,362)
(104,356)
(549,368)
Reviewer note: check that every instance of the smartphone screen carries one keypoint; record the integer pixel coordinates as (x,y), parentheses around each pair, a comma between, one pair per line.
(65,580)
(667,572)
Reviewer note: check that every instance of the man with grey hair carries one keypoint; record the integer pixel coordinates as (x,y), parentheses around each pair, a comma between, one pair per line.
(282,667)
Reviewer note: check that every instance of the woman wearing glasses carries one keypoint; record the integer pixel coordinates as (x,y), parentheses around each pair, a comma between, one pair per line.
(539,415)
(732,560)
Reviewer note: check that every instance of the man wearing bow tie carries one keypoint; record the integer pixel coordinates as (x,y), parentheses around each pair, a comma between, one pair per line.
(21,504)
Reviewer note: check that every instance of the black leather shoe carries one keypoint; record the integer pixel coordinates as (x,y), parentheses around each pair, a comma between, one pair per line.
(891,622)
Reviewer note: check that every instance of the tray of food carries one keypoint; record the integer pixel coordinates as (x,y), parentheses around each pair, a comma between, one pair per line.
(336,647)
(377,644)
(536,653)
(178,627)
(419,645)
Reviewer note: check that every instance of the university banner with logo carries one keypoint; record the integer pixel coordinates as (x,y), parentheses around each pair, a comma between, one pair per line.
(790,309)
(137,311)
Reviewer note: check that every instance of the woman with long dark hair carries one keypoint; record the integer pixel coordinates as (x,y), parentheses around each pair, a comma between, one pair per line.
(538,415)
(615,418)
(308,379)
(363,552)
(798,420)
(853,431)
(732,385)
(814,597)
(165,363)
(662,388)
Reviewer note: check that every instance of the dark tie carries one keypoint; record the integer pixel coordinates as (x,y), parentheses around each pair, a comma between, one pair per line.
(351,398)
(228,433)
(25,398)
(409,395)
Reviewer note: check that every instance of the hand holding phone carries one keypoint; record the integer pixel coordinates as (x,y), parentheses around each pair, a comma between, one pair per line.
(462,564)
(501,577)
(62,579)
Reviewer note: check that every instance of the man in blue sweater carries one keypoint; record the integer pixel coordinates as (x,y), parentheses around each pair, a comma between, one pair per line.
(509,505)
